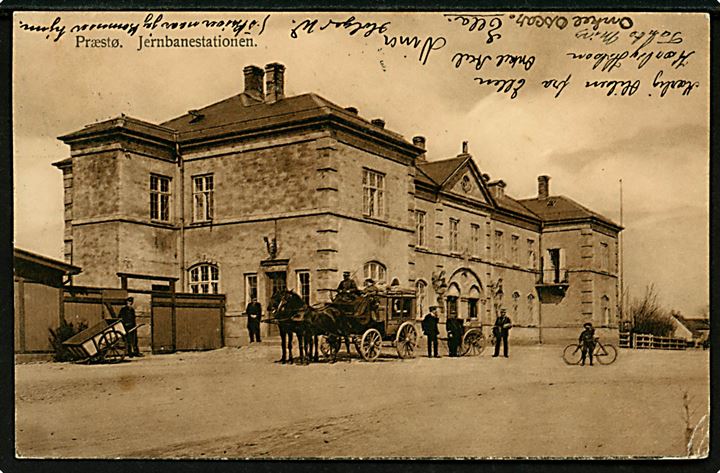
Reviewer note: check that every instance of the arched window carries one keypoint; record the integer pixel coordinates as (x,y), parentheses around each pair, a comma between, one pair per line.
(451,300)
(605,310)
(204,279)
(421,293)
(375,271)
(473,302)
(531,310)
(515,304)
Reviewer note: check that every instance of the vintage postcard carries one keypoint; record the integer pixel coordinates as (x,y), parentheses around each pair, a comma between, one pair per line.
(361,235)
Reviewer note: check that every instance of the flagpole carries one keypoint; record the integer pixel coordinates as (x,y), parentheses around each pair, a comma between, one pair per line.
(620,250)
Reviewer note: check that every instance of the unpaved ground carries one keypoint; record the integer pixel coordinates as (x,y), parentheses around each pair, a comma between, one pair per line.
(237,403)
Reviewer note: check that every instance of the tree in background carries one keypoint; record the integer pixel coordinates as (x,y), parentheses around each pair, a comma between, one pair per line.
(649,317)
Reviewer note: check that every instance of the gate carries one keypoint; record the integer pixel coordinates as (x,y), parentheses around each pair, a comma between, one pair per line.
(184,321)
(90,305)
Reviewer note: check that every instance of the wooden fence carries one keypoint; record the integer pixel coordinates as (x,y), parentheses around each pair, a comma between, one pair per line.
(647,341)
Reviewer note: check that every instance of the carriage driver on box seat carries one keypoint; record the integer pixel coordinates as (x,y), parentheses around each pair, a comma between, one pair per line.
(127,314)
(347,290)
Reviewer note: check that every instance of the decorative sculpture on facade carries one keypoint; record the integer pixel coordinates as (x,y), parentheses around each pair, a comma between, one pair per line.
(439,286)
(271,246)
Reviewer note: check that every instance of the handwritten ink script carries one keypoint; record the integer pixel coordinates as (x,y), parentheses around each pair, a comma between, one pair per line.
(617,55)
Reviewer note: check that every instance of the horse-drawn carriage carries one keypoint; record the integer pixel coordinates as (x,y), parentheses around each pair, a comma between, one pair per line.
(376,319)
(369,320)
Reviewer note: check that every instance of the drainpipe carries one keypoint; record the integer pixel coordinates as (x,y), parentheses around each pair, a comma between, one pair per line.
(540,255)
(181,166)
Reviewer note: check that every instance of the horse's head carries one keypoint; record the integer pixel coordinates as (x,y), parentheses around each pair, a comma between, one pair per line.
(285,304)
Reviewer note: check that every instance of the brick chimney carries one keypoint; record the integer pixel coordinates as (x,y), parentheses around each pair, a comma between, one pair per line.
(419,141)
(275,82)
(543,187)
(497,188)
(254,82)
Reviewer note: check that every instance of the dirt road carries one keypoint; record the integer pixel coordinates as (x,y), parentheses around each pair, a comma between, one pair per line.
(237,403)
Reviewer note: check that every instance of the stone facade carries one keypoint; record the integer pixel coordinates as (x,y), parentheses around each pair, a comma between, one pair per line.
(232,197)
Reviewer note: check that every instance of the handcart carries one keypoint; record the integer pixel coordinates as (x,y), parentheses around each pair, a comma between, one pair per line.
(104,342)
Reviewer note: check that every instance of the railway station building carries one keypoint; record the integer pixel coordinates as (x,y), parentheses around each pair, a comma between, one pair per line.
(260,191)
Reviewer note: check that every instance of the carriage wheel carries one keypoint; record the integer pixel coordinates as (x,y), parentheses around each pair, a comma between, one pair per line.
(112,347)
(329,346)
(473,343)
(370,344)
(406,340)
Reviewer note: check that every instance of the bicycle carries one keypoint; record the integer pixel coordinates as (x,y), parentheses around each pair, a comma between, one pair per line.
(605,354)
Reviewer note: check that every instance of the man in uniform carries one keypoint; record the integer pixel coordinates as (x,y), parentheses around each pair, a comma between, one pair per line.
(347,289)
(587,342)
(500,331)
(254,314)
(127,314)
(348,284)
(430,329)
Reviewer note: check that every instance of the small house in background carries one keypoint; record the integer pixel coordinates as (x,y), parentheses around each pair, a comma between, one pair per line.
(694,331)
(38,287)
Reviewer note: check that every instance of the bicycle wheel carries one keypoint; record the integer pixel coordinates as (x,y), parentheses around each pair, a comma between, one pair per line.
(572,354)
(605,354)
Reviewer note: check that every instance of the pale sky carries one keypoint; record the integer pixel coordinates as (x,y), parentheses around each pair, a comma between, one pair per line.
(584,140)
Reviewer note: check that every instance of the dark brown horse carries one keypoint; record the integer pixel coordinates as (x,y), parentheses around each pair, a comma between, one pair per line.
(287,310)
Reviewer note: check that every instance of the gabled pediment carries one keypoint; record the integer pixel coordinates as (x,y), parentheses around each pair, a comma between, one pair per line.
(467,182)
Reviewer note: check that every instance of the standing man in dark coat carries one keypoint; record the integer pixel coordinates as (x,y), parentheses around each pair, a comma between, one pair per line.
(254,314)
(127,314)
(430,329)
(500,331)
(455,332)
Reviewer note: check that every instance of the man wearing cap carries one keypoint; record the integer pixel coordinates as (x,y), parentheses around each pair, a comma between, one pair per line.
(587,342)
(254,314)
(347,285)
(347,289)
(430,329)
(501,330)
(127,314)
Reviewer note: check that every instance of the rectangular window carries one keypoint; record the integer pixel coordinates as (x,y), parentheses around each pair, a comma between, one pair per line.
(514,253)
(420,225)
(472,309)
(159,197)
(476,239)
(251,289)
(454,223)
(531,258)
(303,285)
(499,246)
(373,194)
(203,198)
(554,270)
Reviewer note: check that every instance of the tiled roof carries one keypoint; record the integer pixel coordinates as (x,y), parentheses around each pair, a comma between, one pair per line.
(423,177)
(694,325)
(557,208)
(241,112)
(439,171)
(508,203)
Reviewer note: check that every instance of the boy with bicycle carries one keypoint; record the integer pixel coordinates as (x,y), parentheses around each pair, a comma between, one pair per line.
(587,342)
